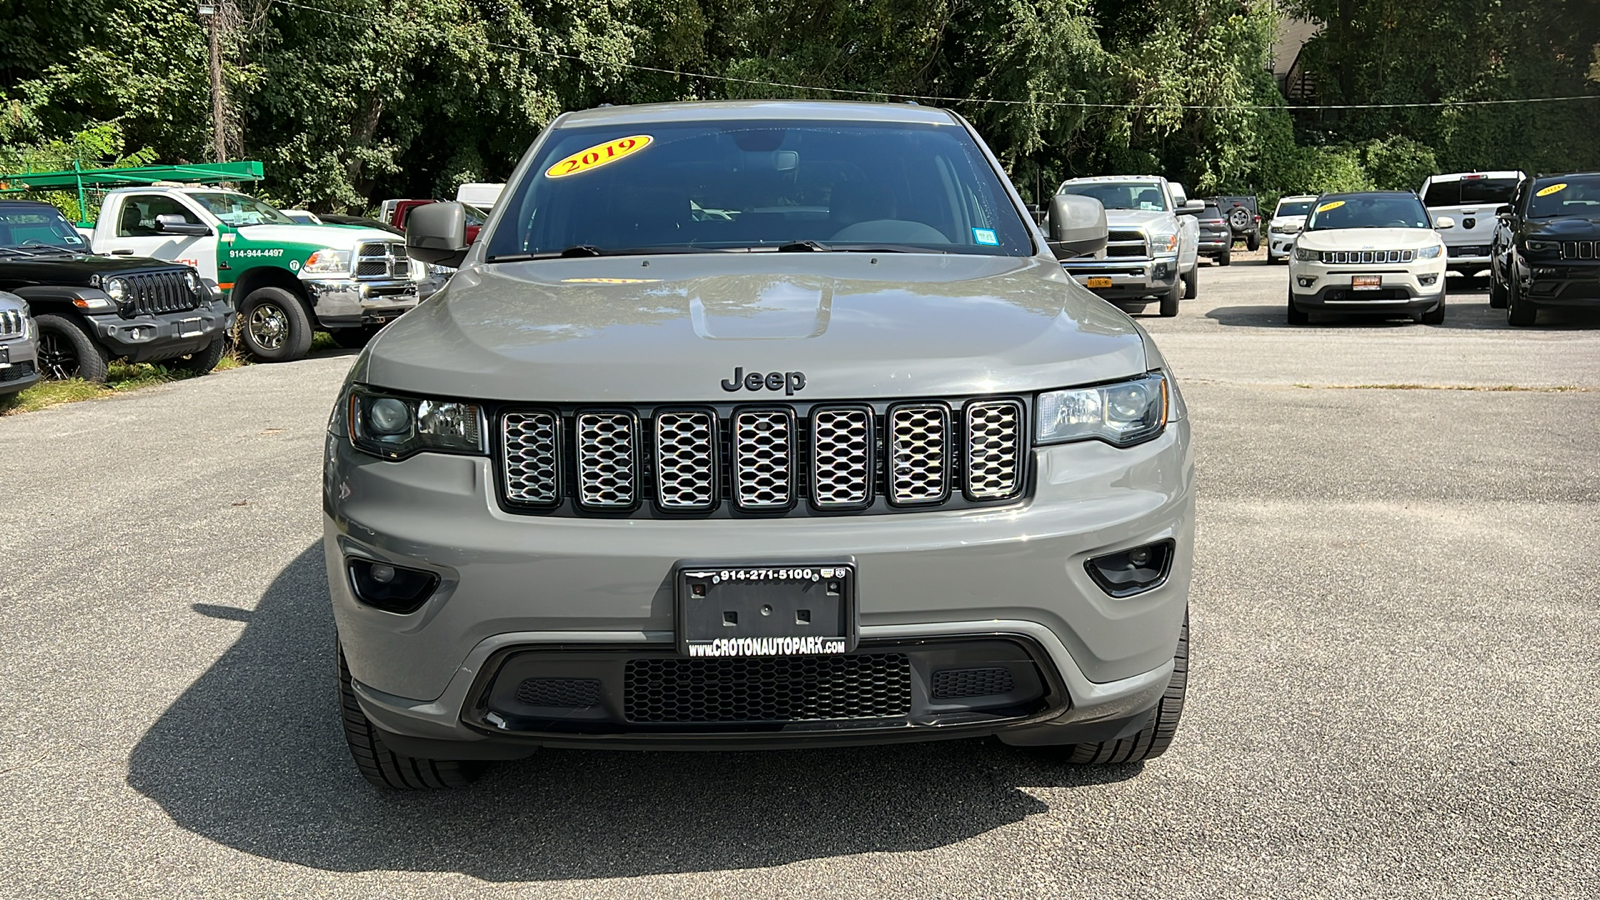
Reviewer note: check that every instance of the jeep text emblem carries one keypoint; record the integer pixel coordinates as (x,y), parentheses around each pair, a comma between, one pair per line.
(788,382)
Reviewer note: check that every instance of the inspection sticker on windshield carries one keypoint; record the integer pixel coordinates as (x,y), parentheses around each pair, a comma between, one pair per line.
(1552,189)
(985,236)
(1327,206)
(610,280)
(598,155)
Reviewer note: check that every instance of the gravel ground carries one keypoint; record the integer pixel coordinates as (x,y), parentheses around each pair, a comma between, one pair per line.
(1393,692)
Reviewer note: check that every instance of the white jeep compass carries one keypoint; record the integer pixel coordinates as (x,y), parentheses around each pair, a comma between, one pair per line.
(1370,252)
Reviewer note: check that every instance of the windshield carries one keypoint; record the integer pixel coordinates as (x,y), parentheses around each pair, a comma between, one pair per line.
(1294,207)
(1212,213)
(1567,195)
(1387,210)
(745,185)
(237,209)
(30,226)
(1470,191)
(1140,195)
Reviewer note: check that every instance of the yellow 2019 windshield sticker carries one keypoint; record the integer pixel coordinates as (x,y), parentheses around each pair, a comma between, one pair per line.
(1327,206)
(1554,188)
(599,155)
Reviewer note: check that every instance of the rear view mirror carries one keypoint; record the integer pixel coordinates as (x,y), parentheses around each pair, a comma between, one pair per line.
(174,224)
(1077,226)
(1443,222)
(1191,207)
(437,234)
(1503,210)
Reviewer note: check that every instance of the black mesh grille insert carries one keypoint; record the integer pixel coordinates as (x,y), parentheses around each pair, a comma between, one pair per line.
(952,683)
(565,693)
(771,689)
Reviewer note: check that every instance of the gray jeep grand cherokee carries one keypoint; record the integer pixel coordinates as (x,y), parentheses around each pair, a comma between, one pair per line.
(750,425)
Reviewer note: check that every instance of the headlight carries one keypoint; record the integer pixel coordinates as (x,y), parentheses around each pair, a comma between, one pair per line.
(1122,414)
(327,261)
(1286,229)
(1430,252)
(116,289)
(1305,255)
(1543,246)
(193,281)
(1161,242)
(396,427)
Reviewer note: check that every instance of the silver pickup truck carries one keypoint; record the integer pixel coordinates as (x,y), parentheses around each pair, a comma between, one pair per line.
(1470,200)
(1152,253)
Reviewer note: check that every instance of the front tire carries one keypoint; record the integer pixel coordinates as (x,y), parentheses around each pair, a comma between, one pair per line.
(1497,292)
(1252,242)
(1169,300)
(1519,312)
(1436,315)
(385,768)
(1191,283)
(67,351)
(274,326)
(1297,316)
(1225,258)
(1152,740)
(203,360)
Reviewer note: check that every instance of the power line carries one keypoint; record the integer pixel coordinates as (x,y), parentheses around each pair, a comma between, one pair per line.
(994,101)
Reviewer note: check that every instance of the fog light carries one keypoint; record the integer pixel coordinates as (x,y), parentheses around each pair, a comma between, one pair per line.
(1161,270)
(1133,571)
(1306,281)
(391,588)
(1426,280)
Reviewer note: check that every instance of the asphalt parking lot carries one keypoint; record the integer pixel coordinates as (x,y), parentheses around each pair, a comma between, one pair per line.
(1393,694)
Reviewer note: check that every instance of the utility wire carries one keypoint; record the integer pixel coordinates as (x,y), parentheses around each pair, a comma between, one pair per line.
(994,101)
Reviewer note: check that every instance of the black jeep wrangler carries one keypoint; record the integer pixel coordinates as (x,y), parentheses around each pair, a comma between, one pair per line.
(93,309)
(1243,213)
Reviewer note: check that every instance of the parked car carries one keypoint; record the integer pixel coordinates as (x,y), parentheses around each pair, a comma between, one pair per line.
(91,310)
(1469,199)
(287,279)
(623,488)
(1546,247)
(1287,220)
(19,346)
(1243,213)
(302,216)
(1216,235)
(1153,251)
(1369,252)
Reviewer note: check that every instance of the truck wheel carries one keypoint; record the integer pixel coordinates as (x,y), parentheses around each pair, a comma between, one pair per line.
(1225,258)
(1154,739)
(1169,300)
(1297,316)
(1252,241)
(273,325)
(1191,283)
(203,360)
(67,351)
(385,768)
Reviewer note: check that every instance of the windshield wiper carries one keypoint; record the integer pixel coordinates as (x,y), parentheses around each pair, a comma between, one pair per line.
(804,247)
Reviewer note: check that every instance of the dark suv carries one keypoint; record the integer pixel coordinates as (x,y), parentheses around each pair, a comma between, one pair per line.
(1216,236)
(93,309)
(1546,248)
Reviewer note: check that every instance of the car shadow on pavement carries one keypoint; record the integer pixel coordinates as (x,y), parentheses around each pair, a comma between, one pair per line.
(251,756)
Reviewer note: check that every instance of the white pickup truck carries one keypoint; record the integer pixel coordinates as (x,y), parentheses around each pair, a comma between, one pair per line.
(1153,251)
(286,279)
(1470,199)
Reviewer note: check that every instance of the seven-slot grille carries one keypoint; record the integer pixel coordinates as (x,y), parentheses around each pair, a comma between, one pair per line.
(765,459)
(384,260)
(154,293)
(1367,257)
(1580,250)
(10,323)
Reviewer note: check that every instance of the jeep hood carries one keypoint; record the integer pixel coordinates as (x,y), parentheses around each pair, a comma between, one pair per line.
(337,236)
(673,328)
(1368,238)
(1564,228)
(75,268)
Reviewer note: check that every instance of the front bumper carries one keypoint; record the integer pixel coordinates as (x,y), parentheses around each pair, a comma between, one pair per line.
(1412,288)
(545,589)
(1280,243)
(1468,258)
(19,365)
(1215,244)
(1567,283)
(351,303)
(1132,278)
(165,336)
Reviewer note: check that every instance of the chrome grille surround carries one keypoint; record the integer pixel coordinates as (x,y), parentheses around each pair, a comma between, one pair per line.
(1367,257)
(10,323)
(763,458)
(531,470)
(1130,242)
(842,463)
(608,460)
(994,449)
(1580,250)
(686,459)
(918,453)
(383,261)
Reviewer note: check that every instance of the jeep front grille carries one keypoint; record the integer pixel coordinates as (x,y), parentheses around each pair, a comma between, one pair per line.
(10,323)
(1580,250)
(772,459)
(383,261)
(1367,257)
(155,293)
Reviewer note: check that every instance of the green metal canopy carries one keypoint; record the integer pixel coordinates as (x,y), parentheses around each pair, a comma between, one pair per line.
(105,179)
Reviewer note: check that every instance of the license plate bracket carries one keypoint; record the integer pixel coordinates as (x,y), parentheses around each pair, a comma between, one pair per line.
(190,327)
(1366,282)
(1098,281)
(773,609)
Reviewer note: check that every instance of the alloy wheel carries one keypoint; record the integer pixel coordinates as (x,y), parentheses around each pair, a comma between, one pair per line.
(58,360)
(269,327)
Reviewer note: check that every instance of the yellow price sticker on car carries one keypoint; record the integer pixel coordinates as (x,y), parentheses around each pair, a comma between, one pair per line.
(610,280)
(1327,206)
(599,155)
(1552,189)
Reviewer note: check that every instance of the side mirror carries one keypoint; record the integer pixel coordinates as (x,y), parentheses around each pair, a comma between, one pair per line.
(1443,222)
(1191,207)
(1077,226)
(437,234)
(1503,210)
(1180,195)
(174,224)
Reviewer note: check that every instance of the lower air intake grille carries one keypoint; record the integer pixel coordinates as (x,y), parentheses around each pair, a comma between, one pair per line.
(773,689)
(954,683)
(561,693)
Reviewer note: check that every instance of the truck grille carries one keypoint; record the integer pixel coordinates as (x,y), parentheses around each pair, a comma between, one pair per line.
(1580,250)
(384,260)
(1367,257)
(772,689)
(10,323)
(154,293)
(1126,242)
(776,459)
